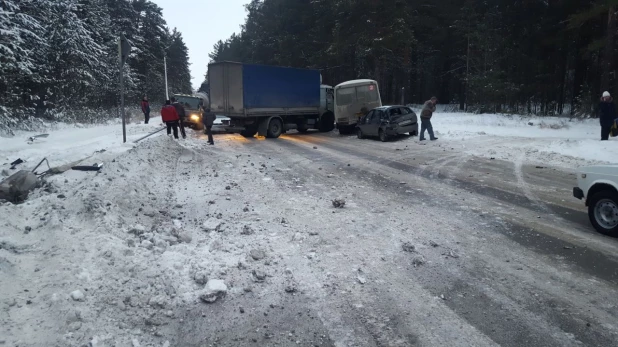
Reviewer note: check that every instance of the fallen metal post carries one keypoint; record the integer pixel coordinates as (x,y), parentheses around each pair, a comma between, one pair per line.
(41,162)
(138,140)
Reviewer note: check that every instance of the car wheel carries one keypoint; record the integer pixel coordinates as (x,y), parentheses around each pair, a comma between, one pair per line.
(383,136)
(359,134)
(603,212)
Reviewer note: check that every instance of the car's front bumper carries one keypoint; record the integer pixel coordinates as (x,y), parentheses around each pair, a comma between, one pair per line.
(192,121)
(578,193)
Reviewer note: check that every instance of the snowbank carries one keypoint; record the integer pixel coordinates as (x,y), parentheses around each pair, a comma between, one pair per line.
(69,143)
(550,140)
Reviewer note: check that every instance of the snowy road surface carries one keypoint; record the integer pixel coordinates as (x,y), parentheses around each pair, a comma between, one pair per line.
(437,245)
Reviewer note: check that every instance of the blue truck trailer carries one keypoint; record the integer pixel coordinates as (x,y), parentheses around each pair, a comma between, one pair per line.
(270,100)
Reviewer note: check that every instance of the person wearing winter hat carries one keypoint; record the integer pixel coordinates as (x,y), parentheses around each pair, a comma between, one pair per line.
(607,115)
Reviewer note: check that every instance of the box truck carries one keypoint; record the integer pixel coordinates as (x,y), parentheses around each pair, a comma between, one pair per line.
(270,100)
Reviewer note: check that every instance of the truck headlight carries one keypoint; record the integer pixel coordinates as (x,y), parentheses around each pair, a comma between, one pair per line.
(195,117)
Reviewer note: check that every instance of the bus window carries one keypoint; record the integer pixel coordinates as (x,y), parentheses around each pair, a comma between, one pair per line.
(368,93)
(345,96)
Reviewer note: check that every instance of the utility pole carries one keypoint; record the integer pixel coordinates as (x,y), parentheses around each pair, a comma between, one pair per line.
(124,48)
(167,96)
(467,71)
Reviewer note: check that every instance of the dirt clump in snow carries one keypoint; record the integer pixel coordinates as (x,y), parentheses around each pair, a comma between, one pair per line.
(215,289)
(408,247)
(338,203)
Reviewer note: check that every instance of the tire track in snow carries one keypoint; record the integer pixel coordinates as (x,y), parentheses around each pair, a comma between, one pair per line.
(525,187)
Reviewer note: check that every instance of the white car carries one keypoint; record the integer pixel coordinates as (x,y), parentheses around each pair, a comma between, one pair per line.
(598,187)
(220,123)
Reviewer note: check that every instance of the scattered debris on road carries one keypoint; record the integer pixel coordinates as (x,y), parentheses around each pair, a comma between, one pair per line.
(18,186)
(418,260)
(247,230)
(15,163)
(338,203)
(36,137)
(93,167)
(408,247)
(77,295)
(215,289)
(451,253)
(257,254)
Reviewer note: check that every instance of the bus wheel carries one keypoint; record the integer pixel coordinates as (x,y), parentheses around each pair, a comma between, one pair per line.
(346,130)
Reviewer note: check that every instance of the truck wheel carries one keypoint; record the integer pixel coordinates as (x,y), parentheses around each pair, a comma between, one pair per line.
(248,132)
(603,212)
(327,123)
(275,128)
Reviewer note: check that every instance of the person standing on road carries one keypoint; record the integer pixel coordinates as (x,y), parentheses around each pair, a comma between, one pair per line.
(428,109)
(607,115)
(170,117)
(209,120)
(146,109)
(182,114)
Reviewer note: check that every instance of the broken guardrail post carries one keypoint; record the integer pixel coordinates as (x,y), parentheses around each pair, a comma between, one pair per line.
(138,140)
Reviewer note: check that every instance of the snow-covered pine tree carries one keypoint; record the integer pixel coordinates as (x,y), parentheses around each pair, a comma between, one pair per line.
(20,35)
(97,20)
(179,76)
(60,55)
(150,42)
(124,20)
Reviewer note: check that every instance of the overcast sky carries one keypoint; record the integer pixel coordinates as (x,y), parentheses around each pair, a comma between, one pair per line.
(202,23)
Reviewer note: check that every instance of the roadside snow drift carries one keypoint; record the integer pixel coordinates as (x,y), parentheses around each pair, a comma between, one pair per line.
(548,140)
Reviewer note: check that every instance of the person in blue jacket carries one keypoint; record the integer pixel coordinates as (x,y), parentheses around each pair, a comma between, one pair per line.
(607,115)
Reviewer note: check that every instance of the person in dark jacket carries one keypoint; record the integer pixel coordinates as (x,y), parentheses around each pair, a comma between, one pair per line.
(209,120)
(170,118)
(182,114)
(428,109)
(146,109)
(607,115)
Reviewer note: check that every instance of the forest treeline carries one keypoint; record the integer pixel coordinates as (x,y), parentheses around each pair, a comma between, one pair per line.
(524,56)
(61,55)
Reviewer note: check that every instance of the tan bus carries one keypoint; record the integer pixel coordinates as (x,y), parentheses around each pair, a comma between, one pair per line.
(353,99)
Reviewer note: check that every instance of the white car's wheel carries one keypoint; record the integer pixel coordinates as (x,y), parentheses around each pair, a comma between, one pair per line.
(603,212)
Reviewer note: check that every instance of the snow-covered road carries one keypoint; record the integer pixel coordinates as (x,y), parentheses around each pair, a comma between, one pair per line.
(438,244)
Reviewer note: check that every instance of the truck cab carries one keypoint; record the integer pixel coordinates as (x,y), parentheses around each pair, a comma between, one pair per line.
(194,110)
